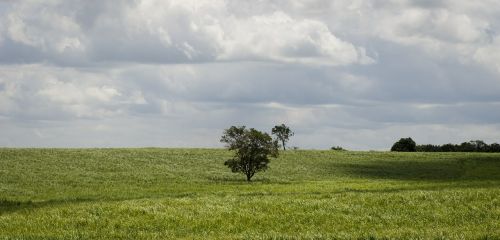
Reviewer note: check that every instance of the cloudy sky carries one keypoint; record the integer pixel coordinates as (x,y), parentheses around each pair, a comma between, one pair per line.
(354,73)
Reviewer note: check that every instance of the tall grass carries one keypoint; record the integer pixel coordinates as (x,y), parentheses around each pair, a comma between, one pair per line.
(189,193)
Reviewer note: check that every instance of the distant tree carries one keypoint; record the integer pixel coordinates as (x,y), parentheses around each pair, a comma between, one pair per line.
(479,145)
(466,147)
(283,133)
(494,147)
(427,148)
(404,145)
(470,146)
(448,147)
(252,149)
(337,148)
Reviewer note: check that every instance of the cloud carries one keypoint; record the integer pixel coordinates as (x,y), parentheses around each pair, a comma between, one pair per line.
(35,92)
(171,32)
(432,27)
(281,38)
(486,55)
(442,29)
(359,74)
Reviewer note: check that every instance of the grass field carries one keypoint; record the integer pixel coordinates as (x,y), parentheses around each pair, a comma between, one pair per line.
(189,193)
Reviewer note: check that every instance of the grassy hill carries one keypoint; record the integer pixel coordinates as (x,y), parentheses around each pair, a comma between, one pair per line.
(189,193)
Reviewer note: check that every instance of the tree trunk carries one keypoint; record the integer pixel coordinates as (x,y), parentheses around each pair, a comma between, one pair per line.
(249,176)
(284,149)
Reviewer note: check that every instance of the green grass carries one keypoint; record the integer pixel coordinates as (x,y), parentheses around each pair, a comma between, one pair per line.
(189,193)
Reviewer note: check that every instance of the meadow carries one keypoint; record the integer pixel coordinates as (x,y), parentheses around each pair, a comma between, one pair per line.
(155,193)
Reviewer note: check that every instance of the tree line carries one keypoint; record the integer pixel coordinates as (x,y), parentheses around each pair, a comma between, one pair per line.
(408,145)
(252,148)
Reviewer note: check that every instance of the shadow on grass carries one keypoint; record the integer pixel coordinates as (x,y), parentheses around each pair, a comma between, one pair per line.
(8,206)
(472,168)
(324,194)
(426,187)
(242,181)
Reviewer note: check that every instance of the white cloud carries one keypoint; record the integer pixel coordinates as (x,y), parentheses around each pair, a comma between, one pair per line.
(45,29)
(416,25)
(443,29)
(177,31)
(37,92)
(279,37)
(175,73)
(440,32)
(69,93)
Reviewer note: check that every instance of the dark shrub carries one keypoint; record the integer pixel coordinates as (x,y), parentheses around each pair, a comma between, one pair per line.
(338,148)
(404,145)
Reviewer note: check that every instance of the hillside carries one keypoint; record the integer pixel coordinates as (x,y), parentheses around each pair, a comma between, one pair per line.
(188,193)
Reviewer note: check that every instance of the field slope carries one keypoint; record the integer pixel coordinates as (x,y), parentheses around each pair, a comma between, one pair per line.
(189,193)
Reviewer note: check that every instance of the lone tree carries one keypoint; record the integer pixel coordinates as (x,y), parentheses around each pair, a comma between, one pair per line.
(283,133)
(404,145)
(252,149)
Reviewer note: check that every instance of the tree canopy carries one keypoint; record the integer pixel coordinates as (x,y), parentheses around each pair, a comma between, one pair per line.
(471,146)
(252,150)
(283,133)
(404,145)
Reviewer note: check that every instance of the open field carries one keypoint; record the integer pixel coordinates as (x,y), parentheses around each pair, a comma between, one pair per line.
(189,193)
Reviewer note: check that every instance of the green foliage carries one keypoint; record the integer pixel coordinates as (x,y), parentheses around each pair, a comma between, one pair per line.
(471,146)
(283,134)
(154,193)
(252,149)
(337,148)
(404,145)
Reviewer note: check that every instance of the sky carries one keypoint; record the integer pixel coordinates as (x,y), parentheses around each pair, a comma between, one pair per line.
(159,73)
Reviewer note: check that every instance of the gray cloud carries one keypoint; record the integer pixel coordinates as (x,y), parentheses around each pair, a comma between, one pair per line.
(359,74)
(170,32)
